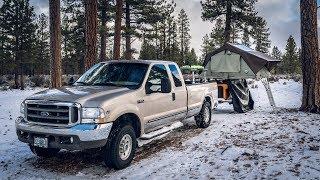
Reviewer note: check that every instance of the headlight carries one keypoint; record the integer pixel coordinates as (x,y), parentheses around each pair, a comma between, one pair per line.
(93,115)
(22,105)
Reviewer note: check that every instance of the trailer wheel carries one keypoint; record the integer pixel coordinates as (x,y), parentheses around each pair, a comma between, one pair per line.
(203,119)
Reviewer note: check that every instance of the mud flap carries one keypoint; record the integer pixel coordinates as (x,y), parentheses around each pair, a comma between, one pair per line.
(241,97)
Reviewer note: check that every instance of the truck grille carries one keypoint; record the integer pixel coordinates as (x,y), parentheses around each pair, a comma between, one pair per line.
(52,113)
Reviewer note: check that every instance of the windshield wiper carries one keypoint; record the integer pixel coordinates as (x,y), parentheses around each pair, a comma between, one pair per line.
(83,83)
(106,84)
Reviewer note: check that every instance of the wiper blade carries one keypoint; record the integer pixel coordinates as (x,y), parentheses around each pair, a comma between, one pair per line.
(105,84)
(80,82)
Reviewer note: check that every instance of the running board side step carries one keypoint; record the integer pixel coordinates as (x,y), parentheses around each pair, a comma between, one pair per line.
(161,131)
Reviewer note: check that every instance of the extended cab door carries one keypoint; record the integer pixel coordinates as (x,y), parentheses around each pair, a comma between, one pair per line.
(158,104)
(179,93)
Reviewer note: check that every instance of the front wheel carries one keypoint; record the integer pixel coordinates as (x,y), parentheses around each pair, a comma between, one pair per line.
(122,147)
(44,152)
(203,119)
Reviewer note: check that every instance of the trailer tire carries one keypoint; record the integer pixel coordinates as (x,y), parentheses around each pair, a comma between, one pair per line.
(120,150)
(203,119)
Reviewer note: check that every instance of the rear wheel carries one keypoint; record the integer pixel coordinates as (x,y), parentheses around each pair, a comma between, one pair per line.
(203,119)
(121,147)
(44,152)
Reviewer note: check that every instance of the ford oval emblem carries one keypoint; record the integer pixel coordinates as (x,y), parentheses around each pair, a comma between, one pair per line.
(45,114)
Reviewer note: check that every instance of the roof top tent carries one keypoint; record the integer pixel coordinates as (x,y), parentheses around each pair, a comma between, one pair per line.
(230,65)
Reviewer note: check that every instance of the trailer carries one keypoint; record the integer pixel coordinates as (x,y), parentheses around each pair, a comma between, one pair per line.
(230,66)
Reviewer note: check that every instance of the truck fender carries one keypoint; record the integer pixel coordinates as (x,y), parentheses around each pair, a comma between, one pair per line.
(127,109)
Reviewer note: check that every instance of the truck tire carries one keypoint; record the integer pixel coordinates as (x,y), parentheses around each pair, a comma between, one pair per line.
(121,147)
(203,119)
(44,152)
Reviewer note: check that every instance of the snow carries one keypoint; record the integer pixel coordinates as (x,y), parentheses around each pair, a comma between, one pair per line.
(264,143)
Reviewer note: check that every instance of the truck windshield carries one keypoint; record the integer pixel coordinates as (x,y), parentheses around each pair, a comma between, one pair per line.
(129,75)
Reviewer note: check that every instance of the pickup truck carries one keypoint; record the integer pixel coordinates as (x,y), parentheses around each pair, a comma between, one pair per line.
(111,107)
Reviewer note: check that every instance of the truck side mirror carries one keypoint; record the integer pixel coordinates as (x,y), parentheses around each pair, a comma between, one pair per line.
(165,85)
(71,81)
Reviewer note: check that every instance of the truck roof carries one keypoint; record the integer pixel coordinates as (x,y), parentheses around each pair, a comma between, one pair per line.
(141,61)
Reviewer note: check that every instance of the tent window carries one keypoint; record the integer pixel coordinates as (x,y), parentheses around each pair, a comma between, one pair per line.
(226,62)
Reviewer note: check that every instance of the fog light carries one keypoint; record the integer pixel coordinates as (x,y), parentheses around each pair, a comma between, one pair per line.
(66,140)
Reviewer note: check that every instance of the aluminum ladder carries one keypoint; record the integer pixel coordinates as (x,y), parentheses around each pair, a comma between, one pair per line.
(266,84)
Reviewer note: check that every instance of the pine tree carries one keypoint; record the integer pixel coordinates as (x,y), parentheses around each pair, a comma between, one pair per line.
(91,8)
(73,36)
(156,29)
(290,61)
(310,56)
(191,58)
(235,13)
(148,51)
(246,38)
(138,15)
(117,30)
(55,43)
(16,22)
(6,46)
(276,53)
(103,30)
(261,36)
(206,47)
(217,38)
(184,34)
(42,45)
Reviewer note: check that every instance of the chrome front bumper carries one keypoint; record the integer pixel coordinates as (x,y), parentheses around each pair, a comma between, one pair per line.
(84,136)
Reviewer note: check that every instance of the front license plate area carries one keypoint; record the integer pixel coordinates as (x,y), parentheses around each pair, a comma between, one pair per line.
(40,142)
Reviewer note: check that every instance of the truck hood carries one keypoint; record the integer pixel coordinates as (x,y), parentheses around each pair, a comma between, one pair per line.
(85,95)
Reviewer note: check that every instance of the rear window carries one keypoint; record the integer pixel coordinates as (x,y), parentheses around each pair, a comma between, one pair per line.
(176,75)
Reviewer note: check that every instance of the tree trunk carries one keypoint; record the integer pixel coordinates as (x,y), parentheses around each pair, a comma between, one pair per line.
(227,31)
(103,33)
(117,30)
(128,54)
(21,77)
(91,8)
(310,56)
(55,43)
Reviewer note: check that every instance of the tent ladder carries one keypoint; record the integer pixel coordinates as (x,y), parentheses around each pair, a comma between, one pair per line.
(266,84)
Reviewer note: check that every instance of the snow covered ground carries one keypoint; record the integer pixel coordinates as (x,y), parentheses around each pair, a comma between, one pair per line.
(281,144)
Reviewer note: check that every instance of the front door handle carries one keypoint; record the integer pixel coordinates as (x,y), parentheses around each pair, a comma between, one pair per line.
(140,101)
(173,96)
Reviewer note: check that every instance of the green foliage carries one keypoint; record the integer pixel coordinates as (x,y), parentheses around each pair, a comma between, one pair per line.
(261,36)
(290,60)
(42,48)
(184,34)
(216,36)
(206,47)
(169,38)
(148,51)
(18,40)
(238,14)
(276,53)
(73,36)
(191,58)
(246,38)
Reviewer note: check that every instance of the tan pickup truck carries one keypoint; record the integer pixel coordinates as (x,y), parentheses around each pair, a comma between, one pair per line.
(111,106)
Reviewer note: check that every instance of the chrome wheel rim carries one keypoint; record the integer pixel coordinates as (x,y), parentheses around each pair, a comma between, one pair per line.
(206,115)
(125,147)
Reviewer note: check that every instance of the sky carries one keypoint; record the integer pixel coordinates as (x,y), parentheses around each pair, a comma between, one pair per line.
(282,16)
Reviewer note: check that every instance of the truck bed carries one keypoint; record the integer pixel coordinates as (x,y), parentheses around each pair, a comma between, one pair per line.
(196,93)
